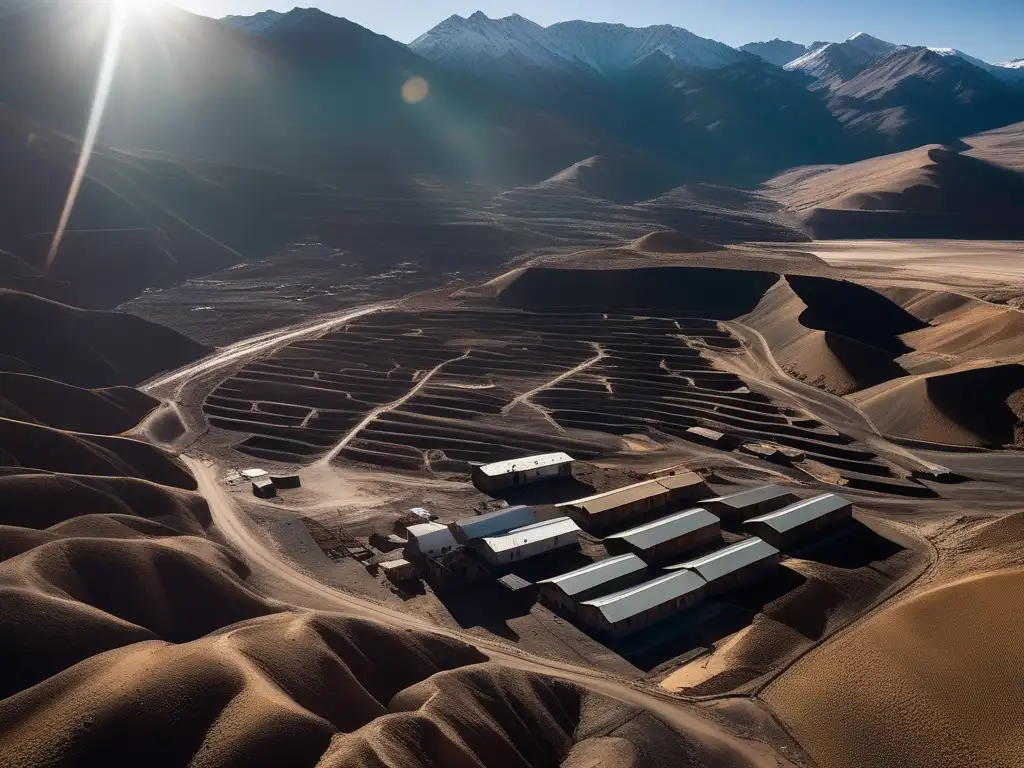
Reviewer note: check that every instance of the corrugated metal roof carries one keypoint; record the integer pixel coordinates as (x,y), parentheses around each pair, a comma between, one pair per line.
(602,502)
(531,534)
(708,434)
(595,574)
(725,561)
(667,528)
(752,496)
(526,462)
(494,522)
(635,600)
(795,515)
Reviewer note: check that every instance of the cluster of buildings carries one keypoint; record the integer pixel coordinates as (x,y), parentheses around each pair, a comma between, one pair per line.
(662,560)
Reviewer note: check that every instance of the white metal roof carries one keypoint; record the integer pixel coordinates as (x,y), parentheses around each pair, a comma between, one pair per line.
(531,534)
(795,515)
(635,600)
(724,561)
(667,528)
(595,574)
(252,474)
(526,462)
(434,534)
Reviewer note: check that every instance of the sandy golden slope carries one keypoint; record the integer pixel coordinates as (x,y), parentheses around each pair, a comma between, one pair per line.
(933,681)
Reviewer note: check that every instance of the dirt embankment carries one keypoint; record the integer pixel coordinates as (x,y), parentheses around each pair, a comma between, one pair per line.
(930,681)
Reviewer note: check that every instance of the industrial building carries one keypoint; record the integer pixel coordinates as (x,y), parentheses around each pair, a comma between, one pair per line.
(264,488)
(528,541)
(566,591)
(492,523)
(643,605)
(503,475)
(428,540)
(667,537)
(612,509)
(799,522)
(750,503)
(734,566)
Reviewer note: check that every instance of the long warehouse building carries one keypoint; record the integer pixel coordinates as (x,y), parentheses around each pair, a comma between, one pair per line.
(568,590)
(797,523)
(643,605)
(734,566)
(667,537)
(608,510)
(750,503)
(528,541)
(502,475)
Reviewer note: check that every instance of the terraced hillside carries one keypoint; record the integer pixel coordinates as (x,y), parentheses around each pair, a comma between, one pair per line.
(435,390)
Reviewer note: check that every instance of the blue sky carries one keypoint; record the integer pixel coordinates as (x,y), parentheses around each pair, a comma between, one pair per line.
(989,29)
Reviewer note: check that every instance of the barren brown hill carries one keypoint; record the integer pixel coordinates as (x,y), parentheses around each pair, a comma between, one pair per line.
(673,242)
(934,190)
(981,406)
(806,334)
(40,500)
(1002,146)
(86,348)
(932,680)
(98,411)
(36,447)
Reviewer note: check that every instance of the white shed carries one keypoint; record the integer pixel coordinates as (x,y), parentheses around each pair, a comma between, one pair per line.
(528,541)
(429,540)
(528,469)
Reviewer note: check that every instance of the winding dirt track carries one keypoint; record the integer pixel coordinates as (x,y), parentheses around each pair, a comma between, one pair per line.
(257,345)
(230,520)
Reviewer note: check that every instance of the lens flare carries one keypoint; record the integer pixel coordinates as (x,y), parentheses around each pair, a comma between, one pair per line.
(111,53)
(415,90)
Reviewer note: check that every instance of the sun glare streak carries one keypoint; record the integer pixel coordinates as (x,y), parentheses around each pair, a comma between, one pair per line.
(111,53)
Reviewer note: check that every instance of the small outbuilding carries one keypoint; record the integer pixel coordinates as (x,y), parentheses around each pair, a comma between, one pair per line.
(734,566)
(528,541)
(750,503)
(612,509)
(641,606)
(263,487)
(502,475)
(428,540)
(492,523)
(667,537)
(566,591)
(287,481)
(800,522)
(399,570)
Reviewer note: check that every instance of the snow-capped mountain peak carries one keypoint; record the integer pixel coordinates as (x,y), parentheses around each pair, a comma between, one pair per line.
(479,38)
(601,48)
(872,46)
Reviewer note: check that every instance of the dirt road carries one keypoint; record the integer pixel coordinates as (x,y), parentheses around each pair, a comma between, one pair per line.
(231,522)
(256,345)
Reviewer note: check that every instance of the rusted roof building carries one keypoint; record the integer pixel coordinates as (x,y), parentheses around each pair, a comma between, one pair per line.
(609,510)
